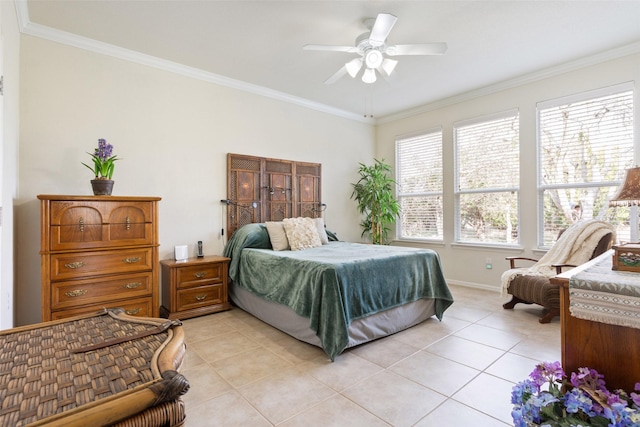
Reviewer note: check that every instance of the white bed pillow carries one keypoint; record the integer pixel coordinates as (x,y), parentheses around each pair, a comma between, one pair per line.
(302,233)
(277,235)
(322,233)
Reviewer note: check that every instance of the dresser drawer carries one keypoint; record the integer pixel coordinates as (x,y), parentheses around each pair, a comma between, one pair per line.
(200,297)
(138,307)
(93,291)
(68,212)
(91,236)
(85,264)
(198,275)
(86,225)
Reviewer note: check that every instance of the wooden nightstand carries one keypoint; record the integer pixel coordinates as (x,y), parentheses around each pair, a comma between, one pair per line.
(194,287)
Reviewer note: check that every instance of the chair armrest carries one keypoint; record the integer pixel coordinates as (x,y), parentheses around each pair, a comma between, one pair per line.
(512,260)
(560,266)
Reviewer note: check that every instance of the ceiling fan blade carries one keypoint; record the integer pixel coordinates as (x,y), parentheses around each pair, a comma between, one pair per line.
(329,48)
(385,76)
(417,49)
(381,29)
(341,72)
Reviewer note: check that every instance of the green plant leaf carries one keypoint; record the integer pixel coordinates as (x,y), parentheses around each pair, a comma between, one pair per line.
(373,193)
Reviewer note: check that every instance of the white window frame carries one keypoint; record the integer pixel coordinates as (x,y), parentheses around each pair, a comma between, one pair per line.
(574,98)
(457,192)
(400,194)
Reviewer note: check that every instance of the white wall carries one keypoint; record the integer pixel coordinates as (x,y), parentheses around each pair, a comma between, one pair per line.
(10,62)
(466,264)
(173,134)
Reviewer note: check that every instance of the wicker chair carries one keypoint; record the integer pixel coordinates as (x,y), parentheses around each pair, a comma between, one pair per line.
(538,289)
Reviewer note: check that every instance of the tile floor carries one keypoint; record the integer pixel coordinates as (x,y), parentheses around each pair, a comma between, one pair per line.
(458,372)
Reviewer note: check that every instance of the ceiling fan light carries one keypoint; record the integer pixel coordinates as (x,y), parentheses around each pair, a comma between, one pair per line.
(353,66)
(373,58)
(369,75)
(388,65)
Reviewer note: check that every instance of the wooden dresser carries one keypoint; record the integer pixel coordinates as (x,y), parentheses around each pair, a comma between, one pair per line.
(194,287)
(99,252)
(610,349)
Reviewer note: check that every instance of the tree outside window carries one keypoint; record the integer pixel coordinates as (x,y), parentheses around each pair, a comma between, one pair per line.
(585,144)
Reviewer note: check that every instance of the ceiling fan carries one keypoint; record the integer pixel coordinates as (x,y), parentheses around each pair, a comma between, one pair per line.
(374,51)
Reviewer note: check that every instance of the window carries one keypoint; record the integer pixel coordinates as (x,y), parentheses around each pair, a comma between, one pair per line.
(585,144)
(487,179)
(419,186)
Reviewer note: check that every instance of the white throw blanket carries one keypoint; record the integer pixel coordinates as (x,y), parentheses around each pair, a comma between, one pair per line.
(575,246)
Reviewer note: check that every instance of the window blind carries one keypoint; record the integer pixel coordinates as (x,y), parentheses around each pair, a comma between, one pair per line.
(487,154)
(419,186)
(587,141)
(585,145)
(487,177)
(419,162)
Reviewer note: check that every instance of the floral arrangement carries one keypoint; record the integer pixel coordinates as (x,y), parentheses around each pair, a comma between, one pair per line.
(103,160)
(551,399)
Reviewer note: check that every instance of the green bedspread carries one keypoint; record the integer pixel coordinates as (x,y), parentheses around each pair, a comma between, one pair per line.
(337,283)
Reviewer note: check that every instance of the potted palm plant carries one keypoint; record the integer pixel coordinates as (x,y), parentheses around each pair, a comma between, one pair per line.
(374,194)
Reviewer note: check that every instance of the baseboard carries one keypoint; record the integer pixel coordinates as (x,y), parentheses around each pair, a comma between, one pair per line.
(474,285)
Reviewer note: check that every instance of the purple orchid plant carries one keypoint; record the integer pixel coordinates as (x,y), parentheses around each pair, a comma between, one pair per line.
(549,398)
(103,160)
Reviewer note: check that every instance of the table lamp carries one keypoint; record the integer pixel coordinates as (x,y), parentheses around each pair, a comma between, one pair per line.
(629,192)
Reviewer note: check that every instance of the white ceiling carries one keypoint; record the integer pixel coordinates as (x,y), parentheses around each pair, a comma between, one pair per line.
(260,42)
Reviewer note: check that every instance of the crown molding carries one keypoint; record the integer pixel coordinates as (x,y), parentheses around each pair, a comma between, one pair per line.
(51,34)
(601,57)
(41,31)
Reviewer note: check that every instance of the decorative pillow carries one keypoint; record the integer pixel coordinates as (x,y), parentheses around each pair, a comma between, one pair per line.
(277,235)
(302,233)
(322,233)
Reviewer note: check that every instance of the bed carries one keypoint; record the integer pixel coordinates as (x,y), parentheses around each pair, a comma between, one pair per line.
(336,295)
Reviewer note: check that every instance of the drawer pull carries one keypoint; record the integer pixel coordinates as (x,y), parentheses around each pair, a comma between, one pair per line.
(200,274)
(132,285)
(201,297)
(76,293)
(132,259)
(74,265)
(127,223)
(81,224)
(133,311)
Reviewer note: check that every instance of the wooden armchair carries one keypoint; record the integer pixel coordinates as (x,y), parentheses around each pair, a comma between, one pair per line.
(538,289)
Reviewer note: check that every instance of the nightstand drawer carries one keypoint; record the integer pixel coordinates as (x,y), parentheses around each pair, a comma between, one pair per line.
(94,291)
(198,275)
(200,297)
(141,307)
(84,264)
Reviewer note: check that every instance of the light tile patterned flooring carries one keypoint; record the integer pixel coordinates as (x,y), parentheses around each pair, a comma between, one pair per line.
(458,372)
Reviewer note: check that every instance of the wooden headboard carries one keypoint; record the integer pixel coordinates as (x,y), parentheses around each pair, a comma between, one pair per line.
(260,189)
